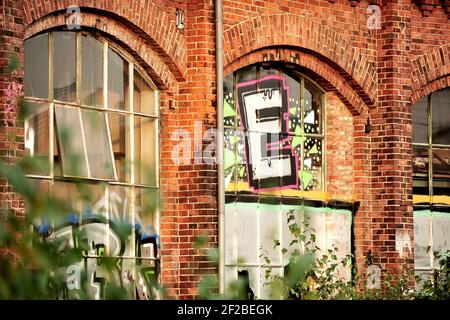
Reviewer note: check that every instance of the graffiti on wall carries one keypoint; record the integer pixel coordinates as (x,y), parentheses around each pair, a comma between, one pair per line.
(272,146)
(136,265)
(13,92)
(252,227)
(264,113)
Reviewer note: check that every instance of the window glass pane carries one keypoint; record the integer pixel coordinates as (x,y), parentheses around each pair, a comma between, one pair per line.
(230,141)
(441,234)
(37,137)
(294,103)
(440,104)
(247,238)
(36,67)
(64,68)
(441,163)
(246,74)
(421,190)
(92,198)
(145,150)
(147,203)
(70,141)
(41,221)
(311,175)
(441,177)
(420,161)
(120,137)
(98,144)
(422,238)
(240,158)
(229,109)
(420,121)
(57,162)
(118,91)
(144,96)
(312,114)
(243,76)
(120,205)
(147,240)
(66,194)
(92,71)
(265,71)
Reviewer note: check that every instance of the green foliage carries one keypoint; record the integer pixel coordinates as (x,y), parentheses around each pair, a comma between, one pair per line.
(319,276)
(437,285)
(36,267)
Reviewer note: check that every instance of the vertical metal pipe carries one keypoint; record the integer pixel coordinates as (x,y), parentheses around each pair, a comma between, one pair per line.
(219,151)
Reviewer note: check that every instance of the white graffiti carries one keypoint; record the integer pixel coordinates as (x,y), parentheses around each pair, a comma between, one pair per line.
(74,19)
(373,277)
(264,116)
(73,277)
(402,241)
(374,21)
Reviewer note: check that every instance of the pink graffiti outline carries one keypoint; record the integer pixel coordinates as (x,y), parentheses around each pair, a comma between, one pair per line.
(271,146)
(13,91)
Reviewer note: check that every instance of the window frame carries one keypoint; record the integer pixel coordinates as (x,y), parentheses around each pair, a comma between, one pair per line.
(130,113)
(301,78)
(266,197)
(129,185)
(420,178)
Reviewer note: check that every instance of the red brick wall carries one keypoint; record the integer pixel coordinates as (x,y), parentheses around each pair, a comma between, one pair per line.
(391,139)
(11,133)
(197,184)
(339,149)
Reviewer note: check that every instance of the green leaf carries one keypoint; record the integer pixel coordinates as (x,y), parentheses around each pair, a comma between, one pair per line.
(228,111)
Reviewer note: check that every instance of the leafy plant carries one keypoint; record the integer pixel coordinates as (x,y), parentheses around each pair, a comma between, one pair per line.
(313,274)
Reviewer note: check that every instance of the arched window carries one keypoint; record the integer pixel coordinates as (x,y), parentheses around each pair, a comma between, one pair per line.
(431,179)
(274,169)
(92,117)
(278,115)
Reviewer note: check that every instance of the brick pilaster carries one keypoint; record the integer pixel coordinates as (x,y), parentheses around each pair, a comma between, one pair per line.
(392,224)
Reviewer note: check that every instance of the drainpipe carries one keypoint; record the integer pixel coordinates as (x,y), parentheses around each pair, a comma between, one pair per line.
(219,151)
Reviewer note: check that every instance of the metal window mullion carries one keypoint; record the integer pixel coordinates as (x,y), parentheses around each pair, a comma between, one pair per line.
(105,105)
(78,66)
(51,47)
(83,137)
(302,110)
(258,241)
(111,151)
(430,149)
(157,159)
(51,140)
(51,105)
(418,144)
(302,210)
(132,170)
(107,252)
(263,265)
(105,75)
(131,121)
(236,131)
(323,163)
(430,178)
(156,147)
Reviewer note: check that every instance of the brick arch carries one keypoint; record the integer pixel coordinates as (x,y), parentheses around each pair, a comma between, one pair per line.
(143,17)
(144,55)
(323,74)
(310,36)
(431,87)
(430,72)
